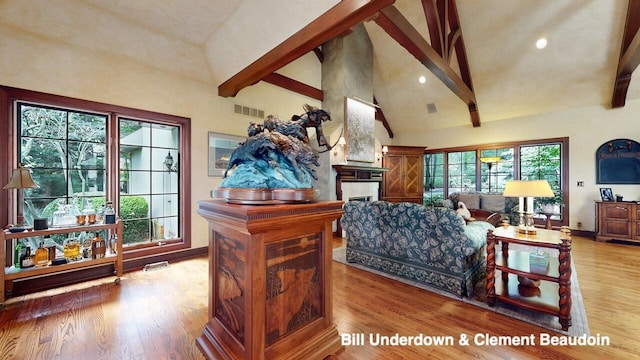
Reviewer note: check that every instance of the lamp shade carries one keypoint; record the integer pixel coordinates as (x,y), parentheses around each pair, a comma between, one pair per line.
(21,179)
(528,188)
(490,159)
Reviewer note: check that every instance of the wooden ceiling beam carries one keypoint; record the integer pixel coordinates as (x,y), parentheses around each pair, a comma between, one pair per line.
(380,117)
(319,54)
(401,30)
(436,23)
(457,42)
(338,19)
(294,85)
(629,55)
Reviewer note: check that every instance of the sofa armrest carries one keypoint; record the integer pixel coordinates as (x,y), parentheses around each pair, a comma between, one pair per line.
(486,215)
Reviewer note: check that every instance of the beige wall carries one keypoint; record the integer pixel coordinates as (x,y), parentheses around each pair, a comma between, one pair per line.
(587,129)
(57,67)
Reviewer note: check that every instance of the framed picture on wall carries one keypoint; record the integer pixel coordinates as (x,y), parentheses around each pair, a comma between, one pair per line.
(360,130)
(220,148)
(606,194)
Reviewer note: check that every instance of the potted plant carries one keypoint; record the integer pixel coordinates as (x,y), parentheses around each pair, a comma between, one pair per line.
(549,205)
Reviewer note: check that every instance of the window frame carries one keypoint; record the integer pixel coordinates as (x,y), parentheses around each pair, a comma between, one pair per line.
(8,98)
(564,168)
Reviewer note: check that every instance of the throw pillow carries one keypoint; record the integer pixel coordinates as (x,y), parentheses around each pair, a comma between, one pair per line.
(447,203)
(472,201)
(463,211)
(492,202)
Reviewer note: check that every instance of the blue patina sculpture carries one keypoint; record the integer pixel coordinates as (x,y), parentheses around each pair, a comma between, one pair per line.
(277,154)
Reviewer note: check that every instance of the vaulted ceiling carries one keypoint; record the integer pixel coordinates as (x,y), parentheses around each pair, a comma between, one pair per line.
(586,61)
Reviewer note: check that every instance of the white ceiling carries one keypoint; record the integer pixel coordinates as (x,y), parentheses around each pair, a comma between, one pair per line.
(511,78)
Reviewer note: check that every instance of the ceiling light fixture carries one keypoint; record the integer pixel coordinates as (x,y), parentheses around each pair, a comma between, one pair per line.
(541,43)
(422,79)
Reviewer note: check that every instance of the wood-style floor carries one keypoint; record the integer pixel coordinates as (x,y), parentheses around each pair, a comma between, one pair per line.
(158,314)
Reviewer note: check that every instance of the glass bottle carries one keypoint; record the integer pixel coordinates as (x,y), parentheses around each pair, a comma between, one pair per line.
(71,249)
(26,261)
(18,254)
(113,243)
(42,256)
(86,246)
(51,247)
(100,215)
(98,247)
(89,212)
(109,213)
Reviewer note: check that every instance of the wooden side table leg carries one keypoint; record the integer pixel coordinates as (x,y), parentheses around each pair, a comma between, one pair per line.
(505,256)
(564,291)
(491,268)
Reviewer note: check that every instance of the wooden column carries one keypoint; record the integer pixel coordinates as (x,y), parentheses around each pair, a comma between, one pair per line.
(270,290)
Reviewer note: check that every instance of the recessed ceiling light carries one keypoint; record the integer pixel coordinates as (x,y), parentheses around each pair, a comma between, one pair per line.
(422,79)
(541,43)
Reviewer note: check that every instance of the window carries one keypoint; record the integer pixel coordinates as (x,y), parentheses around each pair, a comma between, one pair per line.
(461,170)
(465,170)
(543,162)
(496,174)
(65,150)
(149,178)
(434,177)
(83,152)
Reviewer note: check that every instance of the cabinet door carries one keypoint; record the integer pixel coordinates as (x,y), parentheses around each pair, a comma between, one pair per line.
(616,220)
(413,175)
(394,179)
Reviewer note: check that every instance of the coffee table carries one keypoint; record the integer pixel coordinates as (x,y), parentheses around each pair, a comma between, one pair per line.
(553,296)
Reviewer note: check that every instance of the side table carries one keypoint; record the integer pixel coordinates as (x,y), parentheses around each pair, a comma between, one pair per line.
(555,285)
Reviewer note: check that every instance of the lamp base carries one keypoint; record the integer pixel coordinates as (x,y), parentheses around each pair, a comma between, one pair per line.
(527,231)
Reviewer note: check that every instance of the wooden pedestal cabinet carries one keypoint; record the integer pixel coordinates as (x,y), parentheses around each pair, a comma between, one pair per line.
(404,181)
(617,220)
(270,281)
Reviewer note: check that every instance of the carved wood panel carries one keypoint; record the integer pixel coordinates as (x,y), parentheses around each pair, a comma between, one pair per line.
(230,285)
(293,285)
(412,174)
(393,179)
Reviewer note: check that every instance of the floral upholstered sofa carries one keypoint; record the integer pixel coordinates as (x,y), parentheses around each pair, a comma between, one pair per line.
(431,245)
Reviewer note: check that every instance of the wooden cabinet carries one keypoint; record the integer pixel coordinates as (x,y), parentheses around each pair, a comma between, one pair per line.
(617,220)
(404,181)
(270,287)
(10,273)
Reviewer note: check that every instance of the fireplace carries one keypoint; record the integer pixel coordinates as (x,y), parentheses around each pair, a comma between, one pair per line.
(360,198)
(357,183)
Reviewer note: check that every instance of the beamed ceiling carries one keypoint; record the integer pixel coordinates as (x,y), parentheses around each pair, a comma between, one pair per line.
(478,57)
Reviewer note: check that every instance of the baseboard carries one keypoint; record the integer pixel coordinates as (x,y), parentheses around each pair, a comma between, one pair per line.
(584,233)
(28,286)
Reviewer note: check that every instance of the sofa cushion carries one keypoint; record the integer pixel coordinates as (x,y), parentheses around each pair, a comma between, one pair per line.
(492,202)
(476,232)
(472,201)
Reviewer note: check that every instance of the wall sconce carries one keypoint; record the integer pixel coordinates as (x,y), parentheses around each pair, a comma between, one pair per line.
(382,152)
(341,142)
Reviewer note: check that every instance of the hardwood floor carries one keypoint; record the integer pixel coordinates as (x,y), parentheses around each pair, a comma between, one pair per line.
(158,315)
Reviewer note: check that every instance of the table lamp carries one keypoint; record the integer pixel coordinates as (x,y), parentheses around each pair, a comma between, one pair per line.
(526,190)
(21,179)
